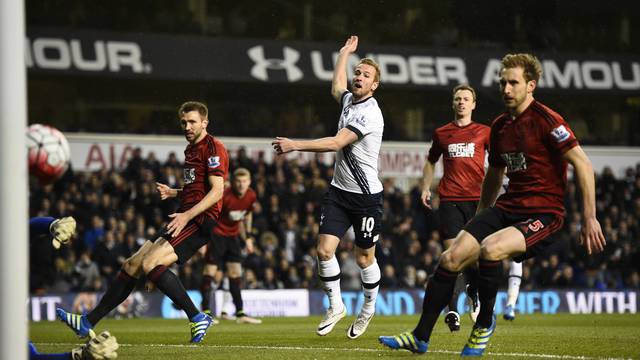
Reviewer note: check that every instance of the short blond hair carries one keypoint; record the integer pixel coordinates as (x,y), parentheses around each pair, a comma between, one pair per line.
(240,172)
(464,87)
(371,62)
(528,62)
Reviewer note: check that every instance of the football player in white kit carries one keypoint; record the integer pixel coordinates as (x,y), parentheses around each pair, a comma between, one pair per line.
(355,195)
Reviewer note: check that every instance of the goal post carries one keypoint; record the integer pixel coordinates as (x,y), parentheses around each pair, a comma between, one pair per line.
(13,182)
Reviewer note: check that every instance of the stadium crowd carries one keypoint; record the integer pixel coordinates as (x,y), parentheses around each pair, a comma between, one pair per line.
(117,210)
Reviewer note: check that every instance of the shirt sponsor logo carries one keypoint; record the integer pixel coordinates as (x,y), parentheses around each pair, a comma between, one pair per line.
(213,162)
(189,175)
(237,215)
(560,134)
(515,161)
(461,150)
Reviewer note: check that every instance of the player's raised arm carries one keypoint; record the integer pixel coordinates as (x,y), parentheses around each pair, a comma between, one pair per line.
(591,236)
(339,82)
(180,220)
(343,138)
(491,187)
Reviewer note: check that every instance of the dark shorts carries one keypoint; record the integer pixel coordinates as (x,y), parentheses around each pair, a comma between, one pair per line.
(454,215)
(342,209)
(536,228)
(195,235)
(223,249)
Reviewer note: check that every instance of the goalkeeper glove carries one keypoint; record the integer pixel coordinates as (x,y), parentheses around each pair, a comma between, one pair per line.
(62,230)
(102,347)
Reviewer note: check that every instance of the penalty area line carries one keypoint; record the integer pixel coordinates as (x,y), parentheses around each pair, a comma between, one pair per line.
(303,348)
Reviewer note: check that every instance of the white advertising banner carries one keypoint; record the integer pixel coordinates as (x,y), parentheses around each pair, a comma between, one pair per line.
(294,302)
(92,152)
(401,160)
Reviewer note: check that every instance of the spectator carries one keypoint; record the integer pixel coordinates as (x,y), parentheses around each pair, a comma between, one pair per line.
(86,273)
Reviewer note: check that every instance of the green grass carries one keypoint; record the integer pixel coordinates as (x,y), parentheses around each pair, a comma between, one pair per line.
(532,336)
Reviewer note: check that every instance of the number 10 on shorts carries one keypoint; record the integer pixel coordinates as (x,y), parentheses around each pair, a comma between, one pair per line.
(367,227)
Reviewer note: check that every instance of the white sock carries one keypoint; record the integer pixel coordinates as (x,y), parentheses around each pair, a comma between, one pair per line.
(329,274)
(226,301)
(515,277)
(370,285)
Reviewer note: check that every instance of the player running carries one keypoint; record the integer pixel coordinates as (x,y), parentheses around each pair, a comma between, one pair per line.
(205,169)
(532,144)
(225,245)
(355,195)
(462,144)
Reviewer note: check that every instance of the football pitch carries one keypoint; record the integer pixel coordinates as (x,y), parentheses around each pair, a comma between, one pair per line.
(560,336)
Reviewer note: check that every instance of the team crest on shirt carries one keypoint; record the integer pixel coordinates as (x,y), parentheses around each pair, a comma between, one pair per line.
(560,133)
(360,120)
(189,175)
(515,161)
(461,150)
(213,162)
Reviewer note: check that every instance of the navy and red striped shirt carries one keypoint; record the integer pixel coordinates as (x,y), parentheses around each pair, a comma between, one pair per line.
(531,147)
(208,157)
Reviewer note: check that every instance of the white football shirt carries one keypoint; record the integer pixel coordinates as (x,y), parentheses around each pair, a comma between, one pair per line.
(356,168)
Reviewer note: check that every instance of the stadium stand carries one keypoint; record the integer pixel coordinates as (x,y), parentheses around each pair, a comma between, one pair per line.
(116,211)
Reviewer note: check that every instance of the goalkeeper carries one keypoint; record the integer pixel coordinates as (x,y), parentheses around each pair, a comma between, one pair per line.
(99,347)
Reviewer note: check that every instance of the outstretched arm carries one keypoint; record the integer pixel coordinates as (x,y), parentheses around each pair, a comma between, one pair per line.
(490,187)
(166,192)
(343,138)
(62,229)
(591,236)
(339,82)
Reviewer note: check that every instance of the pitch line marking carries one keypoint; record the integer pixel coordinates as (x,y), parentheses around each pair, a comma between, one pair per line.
(302,348)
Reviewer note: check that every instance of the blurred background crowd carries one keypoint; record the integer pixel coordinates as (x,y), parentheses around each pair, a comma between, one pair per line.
(117,211)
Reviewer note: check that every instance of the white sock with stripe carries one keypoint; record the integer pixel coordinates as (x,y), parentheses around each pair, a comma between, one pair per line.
(515,278)
(370,285)
(329,274)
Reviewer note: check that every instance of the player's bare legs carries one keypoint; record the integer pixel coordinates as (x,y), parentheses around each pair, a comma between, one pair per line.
(463,252)
(117,292)
(155,264)
(370,275)
(329,274)
(496,247)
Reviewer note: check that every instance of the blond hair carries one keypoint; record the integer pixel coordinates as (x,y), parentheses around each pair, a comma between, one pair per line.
(528,62)
(240,172)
